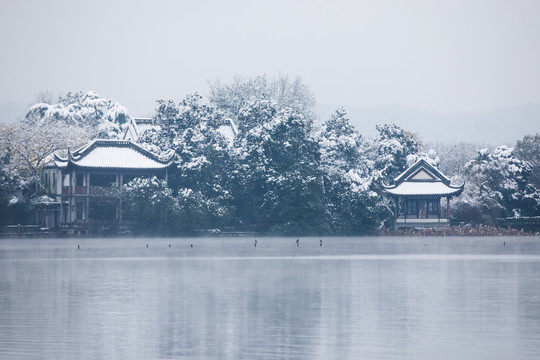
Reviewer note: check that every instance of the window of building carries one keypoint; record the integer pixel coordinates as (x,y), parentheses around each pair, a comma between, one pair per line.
(80,180)
(433,207)
(412,207)
(79,207)
(105,180)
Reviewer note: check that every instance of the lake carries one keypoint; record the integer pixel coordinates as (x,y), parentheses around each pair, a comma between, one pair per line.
(351,298)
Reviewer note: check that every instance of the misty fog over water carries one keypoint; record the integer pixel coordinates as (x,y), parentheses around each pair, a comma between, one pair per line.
(382,298)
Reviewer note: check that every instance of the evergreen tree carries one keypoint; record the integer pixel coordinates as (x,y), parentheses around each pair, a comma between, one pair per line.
(201,166)
(391,149)
(276,179)
(528,149)
(151,206)
(282,92)
(497,185)
(349,201)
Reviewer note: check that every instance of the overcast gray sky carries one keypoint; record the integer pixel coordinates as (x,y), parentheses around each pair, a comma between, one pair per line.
(444,56)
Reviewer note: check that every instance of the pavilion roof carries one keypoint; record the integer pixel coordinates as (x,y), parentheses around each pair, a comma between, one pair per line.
(422,179)
(113,154)
(424,188)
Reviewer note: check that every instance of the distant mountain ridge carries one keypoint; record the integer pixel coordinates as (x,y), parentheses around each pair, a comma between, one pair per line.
(496,127)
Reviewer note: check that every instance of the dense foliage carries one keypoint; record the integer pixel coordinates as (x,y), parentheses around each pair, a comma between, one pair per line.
(282,175)
(498,186)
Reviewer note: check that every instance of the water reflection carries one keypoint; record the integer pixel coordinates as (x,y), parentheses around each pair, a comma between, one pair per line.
(353,298)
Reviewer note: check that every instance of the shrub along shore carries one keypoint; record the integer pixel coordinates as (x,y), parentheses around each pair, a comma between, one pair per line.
(469,230)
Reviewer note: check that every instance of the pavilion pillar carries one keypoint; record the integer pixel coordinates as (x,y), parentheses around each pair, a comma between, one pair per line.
(61,197)
(120,200)
(406,208)
(448,207)
(396,211)
(87,196)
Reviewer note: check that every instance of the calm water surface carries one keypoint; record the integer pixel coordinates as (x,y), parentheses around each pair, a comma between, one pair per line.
(352,298)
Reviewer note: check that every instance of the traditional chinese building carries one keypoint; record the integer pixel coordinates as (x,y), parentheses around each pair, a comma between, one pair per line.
(138,126)
(417,195)
(85,184)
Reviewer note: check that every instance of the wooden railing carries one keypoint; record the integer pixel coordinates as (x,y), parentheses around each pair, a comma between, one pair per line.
(94,190)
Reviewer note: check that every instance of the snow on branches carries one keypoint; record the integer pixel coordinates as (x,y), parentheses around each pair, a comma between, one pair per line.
(99,117)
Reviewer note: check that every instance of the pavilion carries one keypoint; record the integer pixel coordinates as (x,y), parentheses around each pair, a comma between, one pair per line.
(86,183)
(417,194)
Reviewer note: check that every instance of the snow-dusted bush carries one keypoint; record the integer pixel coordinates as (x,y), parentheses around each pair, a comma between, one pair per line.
(150,205)
(497,186)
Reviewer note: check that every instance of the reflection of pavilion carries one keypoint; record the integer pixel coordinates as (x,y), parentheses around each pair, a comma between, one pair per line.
(417,193)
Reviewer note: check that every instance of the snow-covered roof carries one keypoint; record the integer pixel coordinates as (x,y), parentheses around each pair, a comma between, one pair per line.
(130,133)
(228,130)
(418,166)
(137,127)
(422,179)
(424,188)
(145,124)
(117,154)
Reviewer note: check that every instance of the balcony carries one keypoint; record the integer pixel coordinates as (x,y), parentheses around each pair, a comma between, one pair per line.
(94,190)
(103,190)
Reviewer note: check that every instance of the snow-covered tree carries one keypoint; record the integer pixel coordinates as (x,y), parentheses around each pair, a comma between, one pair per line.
(31,145)
(202,157)
(199,211)
(454,156)
(150,205)
(8,184)
(349,200)
(24,151)
(255,112)
(99,117)
(498,186)
(276,178)
(391,149)
(528,149)
(430,157)
(283,92)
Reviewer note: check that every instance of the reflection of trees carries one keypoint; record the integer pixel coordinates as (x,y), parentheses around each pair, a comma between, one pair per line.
(141,305)
(249,309)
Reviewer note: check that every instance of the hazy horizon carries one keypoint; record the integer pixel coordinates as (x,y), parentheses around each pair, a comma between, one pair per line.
(444,57)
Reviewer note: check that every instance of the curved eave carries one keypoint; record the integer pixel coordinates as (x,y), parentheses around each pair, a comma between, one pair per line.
(60,162)
(446,194)
(423,189)
(165,166)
